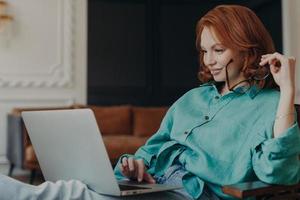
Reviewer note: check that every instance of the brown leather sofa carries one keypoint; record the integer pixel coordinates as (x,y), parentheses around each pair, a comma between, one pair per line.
(124,129)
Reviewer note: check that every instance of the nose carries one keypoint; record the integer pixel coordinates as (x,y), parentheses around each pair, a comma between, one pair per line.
(209,59)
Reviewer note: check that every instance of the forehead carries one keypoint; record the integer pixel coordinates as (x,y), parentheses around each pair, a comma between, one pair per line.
(208,38)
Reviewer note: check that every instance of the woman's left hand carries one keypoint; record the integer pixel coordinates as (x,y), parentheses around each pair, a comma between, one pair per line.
(282,69)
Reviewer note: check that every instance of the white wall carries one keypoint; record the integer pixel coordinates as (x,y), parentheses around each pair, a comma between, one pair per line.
(44,62)
(291,33)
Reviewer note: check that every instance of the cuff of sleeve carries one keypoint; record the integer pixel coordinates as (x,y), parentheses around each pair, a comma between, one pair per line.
(141,154)
(193,185)
(287,144)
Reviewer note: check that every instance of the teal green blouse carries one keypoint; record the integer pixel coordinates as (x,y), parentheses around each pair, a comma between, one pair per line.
(222,140)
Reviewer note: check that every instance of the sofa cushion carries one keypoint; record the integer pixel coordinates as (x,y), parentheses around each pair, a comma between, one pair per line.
(121,144)
(115,146)
(113,120)
(146,120)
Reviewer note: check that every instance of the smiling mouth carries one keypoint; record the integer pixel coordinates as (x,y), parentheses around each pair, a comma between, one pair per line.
(215,71)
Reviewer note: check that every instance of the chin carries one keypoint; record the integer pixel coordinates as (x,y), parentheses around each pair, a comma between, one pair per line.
(218,79)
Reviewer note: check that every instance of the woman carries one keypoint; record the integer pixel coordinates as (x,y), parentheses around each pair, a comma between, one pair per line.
(235,127)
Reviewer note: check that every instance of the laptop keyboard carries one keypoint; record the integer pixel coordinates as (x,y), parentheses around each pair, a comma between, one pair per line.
(131,187)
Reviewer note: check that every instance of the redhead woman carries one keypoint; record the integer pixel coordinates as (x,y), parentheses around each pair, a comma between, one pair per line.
(238,125)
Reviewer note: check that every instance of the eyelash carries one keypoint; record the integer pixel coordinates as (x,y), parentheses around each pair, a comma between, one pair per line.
(219,50)
(216,50)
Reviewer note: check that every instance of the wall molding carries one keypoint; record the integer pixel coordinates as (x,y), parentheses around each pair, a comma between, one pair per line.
(38,100)
(59,74)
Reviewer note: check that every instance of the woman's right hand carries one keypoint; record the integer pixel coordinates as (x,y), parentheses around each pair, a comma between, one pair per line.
(135,169)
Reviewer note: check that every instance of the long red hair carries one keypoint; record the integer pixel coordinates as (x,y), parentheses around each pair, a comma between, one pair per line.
(238,28)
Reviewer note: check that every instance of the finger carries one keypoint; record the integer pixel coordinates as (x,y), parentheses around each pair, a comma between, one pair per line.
(124,171)
(140,169)
(276,55)
(274,69)
(148,178)
(292,61)
(136,169)
(125,165)
(131,164)
(266,60)
(121,168)
(269,58)
(266,55)
(292,58)
(263,57)
(263,61)
(124,161)
(272,59)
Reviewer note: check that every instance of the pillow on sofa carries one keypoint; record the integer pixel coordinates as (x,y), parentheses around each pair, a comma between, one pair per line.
(113,120)
(146,120)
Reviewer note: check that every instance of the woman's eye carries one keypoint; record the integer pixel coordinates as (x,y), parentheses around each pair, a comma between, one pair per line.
(203,51)
(219,50)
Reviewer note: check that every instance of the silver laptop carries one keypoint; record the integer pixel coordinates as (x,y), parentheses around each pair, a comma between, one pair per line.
(68,145)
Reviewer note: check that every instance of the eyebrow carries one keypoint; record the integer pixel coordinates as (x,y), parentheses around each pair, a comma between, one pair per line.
(213,46)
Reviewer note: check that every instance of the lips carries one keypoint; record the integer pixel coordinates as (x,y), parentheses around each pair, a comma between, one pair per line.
(215,71)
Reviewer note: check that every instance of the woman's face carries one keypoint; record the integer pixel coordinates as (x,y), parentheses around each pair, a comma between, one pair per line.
(216,56)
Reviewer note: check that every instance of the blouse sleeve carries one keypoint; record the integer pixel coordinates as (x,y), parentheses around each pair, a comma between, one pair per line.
(276,160)
(149,151)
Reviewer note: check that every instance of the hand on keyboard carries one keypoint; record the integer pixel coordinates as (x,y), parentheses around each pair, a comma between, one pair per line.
(135,169)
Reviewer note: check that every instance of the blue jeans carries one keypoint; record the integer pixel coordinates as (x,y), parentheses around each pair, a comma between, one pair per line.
(11,189)
(173,176)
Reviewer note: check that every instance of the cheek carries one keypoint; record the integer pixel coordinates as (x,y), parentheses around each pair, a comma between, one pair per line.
(205,59)
(222,62)
(225,59)
(227,56)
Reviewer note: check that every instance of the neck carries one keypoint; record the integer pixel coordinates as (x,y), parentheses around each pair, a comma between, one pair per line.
(233,84)
(224,90)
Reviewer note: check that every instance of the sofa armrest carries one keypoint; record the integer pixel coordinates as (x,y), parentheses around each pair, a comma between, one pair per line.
(15,140)
(259,189)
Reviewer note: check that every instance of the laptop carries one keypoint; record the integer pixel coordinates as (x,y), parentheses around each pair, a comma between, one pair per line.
(68,145)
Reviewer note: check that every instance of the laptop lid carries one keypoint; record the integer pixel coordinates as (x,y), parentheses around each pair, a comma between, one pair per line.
(69,146)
